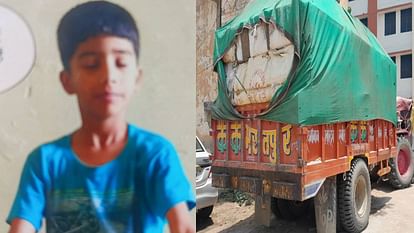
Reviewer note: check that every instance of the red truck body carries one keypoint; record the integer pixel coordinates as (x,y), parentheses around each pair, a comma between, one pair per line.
(292,162)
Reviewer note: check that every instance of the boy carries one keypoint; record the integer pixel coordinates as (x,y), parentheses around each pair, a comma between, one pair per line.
(107,176)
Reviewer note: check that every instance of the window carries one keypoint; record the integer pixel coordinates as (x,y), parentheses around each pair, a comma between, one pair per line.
(393,59)
(406,20)
(364,21)
(389,23)
(406,66)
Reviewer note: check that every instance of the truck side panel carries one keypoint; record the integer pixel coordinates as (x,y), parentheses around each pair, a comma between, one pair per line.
(294,160)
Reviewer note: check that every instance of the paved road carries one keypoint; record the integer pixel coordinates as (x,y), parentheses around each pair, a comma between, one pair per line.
(391,211)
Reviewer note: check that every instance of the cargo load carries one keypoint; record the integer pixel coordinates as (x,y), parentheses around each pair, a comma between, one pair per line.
(306,62)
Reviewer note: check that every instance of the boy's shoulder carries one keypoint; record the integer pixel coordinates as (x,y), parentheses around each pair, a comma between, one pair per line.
(145,140)
(52,147)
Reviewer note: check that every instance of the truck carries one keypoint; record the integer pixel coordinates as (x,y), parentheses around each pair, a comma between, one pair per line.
(305,113)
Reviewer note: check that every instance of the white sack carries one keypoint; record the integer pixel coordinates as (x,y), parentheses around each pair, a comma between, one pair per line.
(258,39)
(276,38)
(262,76)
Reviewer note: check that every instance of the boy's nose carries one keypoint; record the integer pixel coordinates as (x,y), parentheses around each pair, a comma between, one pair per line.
(109,74)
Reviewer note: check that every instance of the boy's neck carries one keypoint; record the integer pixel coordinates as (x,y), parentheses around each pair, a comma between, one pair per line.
(101,134)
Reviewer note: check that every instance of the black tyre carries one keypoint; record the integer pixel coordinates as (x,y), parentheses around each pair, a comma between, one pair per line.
(205,212)
(373,174)
(289,210)
(402,166)
(275,208)
(354,197)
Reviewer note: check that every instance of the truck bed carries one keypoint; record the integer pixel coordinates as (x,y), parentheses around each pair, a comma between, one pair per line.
(292,162)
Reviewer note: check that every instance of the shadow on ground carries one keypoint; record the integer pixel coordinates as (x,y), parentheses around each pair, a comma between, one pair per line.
(305,224)
(383,186)
(202,223)
(379,205)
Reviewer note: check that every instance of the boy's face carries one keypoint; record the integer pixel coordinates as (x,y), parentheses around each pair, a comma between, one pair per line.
(103,75)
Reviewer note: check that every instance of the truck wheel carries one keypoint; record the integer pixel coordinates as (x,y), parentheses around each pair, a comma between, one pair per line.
(402,166)
(275,208)
(205,212)
(354,197)
(289,210)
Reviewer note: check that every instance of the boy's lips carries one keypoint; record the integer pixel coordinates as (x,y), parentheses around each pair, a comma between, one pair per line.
(108,96)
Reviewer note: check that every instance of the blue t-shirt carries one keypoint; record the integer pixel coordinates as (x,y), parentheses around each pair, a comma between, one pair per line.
(131,193)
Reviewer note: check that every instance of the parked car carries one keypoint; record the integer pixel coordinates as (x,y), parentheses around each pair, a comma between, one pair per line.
(206,193)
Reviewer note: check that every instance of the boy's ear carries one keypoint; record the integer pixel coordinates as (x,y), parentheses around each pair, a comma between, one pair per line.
(65,80)
(138,78)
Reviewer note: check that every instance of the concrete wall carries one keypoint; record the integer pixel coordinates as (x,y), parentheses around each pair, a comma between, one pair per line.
(230,8)
(37,110)
(206,79)
(359,7)
(391,3)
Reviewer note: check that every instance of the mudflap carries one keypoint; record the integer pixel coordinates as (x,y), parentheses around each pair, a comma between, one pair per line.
(325,207)
(263,211)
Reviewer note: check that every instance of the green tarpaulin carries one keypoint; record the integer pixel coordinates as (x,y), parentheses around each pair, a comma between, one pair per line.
(342,73)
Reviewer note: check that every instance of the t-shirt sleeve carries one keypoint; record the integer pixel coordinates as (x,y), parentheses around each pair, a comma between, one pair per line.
(168,183)
(30,198)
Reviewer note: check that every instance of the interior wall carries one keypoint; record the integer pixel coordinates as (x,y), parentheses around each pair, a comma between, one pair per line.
(37,109)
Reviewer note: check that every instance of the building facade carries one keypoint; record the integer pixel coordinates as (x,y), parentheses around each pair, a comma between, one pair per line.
(391,22)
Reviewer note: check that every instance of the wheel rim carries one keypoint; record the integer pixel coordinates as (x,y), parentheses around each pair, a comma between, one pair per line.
(361,196)
(403,161)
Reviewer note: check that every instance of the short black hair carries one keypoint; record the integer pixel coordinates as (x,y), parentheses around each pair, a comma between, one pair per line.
(92,19)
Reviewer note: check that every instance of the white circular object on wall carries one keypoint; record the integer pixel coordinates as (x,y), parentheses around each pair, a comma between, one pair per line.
(17,49)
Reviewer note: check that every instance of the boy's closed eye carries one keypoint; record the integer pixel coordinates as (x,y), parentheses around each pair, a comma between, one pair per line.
(89,62)
(93,61)
(122,62)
